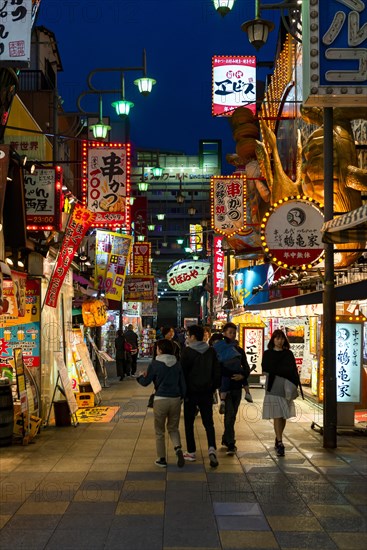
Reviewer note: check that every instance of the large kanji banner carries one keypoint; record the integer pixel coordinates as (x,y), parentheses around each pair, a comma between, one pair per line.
(106,183)
(228,204)
(79,222)
(112,257)
(15,35)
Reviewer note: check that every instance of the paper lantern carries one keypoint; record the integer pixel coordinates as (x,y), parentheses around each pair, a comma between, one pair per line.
(94,313)
(186,274)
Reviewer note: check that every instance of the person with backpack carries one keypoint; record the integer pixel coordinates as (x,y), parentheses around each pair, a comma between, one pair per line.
(166,374)
(237,381)
(202,375)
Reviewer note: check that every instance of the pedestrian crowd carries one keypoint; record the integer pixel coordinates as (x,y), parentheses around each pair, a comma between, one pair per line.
(192,368)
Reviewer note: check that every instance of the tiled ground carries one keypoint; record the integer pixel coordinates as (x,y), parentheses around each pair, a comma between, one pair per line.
(95,486)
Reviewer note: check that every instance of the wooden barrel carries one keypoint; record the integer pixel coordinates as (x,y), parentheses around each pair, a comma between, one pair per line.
(6,415)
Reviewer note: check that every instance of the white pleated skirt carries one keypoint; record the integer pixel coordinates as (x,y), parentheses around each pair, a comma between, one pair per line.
(275,406)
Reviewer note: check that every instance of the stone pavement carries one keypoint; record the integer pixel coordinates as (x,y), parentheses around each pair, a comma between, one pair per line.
(96,486)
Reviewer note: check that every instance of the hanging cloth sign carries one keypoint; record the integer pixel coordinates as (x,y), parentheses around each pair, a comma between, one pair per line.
(78,224)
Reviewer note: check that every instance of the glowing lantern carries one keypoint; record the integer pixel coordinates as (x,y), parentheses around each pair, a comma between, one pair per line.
(94,313)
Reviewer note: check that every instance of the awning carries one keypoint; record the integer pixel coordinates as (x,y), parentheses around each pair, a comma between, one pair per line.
(348,228)
(343,293)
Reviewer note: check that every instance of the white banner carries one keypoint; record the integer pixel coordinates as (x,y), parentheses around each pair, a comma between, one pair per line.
(15,36)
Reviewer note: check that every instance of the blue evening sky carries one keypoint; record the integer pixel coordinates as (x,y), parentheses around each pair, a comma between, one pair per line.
(180,38)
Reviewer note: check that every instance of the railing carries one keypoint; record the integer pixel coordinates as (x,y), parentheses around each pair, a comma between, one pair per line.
(34,81)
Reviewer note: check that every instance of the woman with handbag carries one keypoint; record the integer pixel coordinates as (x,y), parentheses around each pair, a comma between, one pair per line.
(282,381)
(170,388)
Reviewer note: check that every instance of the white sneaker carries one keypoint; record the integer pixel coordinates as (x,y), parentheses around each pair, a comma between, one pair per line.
(190,457)
(248,398)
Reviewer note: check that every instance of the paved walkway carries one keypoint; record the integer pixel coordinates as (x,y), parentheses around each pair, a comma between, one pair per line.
(96,486)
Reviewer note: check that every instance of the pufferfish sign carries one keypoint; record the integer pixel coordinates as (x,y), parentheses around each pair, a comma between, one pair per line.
(186,274)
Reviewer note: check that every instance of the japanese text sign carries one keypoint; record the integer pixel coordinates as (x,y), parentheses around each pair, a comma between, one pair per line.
(196,237)
(218,273)
(334,39)
(106,183)
(139,289)
(42,198)
(291,234)
(253,344)
(15,36)
(79,222)
(228,196)
(348,362)
(32,146)
(112,256)
(234,83)
(141,258)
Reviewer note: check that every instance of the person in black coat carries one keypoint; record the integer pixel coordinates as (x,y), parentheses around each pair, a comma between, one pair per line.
(132,356)
(279,364)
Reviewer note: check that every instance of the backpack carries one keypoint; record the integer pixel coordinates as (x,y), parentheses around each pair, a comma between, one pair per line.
(200,376)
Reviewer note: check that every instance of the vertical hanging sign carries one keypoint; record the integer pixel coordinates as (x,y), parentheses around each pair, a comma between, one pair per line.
(112,256)
(106,183)
(78,224)
(141,259)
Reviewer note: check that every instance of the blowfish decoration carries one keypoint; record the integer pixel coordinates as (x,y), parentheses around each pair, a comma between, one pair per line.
(186,274)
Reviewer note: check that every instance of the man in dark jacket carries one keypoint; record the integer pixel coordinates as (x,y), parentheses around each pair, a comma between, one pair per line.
(233,396)
(132,356)
(202,374)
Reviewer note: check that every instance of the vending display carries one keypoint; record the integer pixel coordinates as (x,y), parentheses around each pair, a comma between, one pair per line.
(147,340)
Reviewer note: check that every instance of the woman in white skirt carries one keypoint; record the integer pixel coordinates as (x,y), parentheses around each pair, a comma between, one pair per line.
(279,365)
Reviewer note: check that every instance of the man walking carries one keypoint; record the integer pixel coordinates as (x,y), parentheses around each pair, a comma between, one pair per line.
(236,383)
(120,355)
(202,375)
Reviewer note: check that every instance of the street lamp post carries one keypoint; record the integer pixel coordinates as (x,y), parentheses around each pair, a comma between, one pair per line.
(122,106)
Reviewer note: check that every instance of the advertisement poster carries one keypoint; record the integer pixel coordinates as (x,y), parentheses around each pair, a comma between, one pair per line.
(111,260)
(141,260)
(233,83)
(42,191)
(253,344)
(139,289)
(22,333)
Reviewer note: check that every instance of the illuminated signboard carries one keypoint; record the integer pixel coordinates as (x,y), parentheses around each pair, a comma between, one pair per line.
(348,362)
(233,83)
(42,191)
(291,233)
(334,40)
(228,204)
(106,183)
(186,274)
(15,37)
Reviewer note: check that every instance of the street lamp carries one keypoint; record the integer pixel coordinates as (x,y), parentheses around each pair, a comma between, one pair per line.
(258,29)
(161,216)
(122,106)
(143,186)
(157,171)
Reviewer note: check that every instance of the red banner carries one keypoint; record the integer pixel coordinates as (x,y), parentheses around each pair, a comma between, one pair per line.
(78,224)
(141,257)
(218,273)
